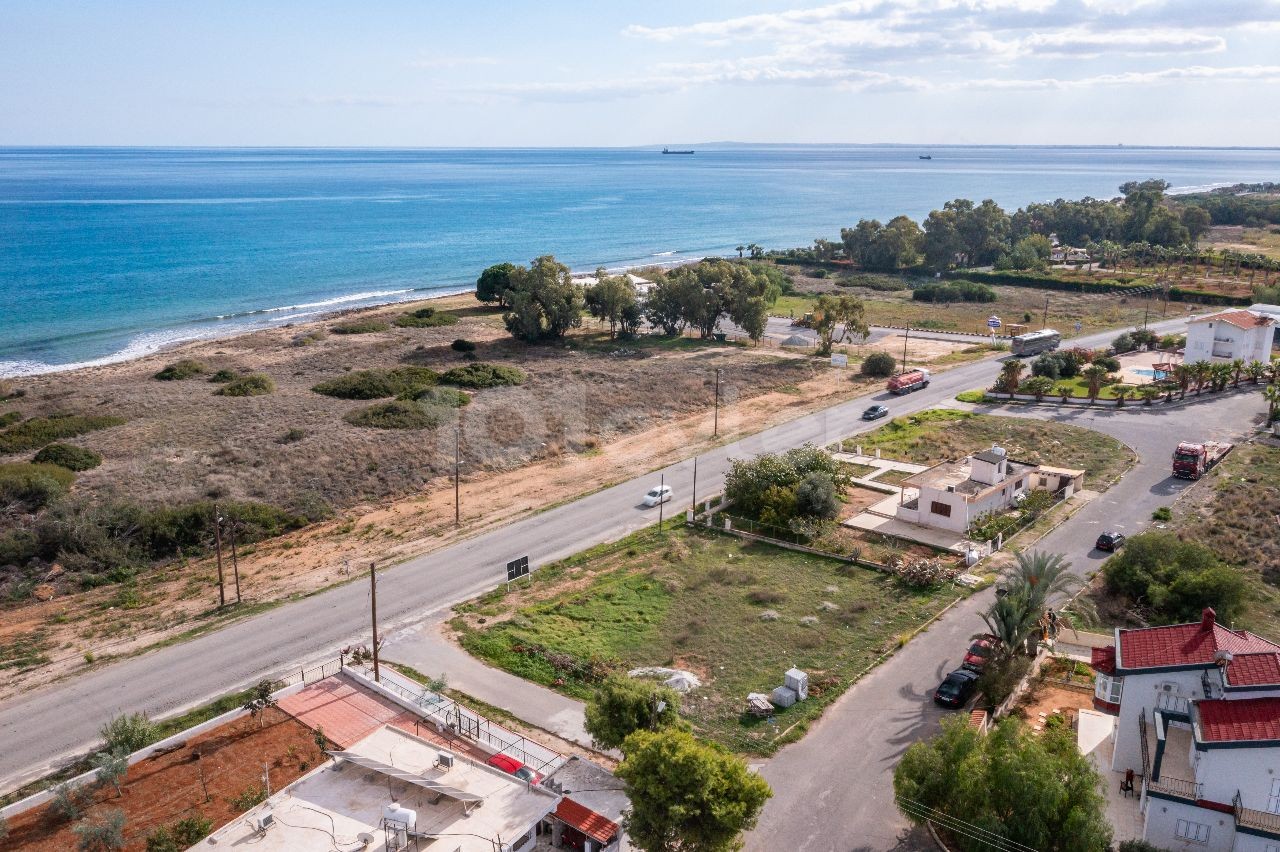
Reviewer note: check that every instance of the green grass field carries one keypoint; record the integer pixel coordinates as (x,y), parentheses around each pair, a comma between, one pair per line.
(694,600)
(938,434)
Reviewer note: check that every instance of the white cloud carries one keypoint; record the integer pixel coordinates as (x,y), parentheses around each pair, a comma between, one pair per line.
(1084,44)
(434,62)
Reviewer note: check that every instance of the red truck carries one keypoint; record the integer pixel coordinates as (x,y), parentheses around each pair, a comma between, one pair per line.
(909,381)
(1190,460)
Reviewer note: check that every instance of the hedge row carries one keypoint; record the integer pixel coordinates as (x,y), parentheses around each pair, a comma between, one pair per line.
(1116,284)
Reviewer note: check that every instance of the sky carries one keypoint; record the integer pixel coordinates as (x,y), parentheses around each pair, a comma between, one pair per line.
(620,73)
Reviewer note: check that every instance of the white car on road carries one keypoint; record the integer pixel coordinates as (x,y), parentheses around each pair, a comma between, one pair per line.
(657,494)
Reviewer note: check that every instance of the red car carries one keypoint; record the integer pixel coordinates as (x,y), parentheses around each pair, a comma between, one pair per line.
(981,649)
(515,767)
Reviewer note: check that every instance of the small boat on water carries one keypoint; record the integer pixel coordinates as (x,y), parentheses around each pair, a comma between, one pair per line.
(926,156)
(669,151)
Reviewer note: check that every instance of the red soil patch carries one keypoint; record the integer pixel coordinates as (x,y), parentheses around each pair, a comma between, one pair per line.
(161,790)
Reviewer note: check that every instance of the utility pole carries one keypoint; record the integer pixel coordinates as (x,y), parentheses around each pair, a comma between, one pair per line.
(1045,322)
(715,431)
(457,504)
(906,335)
(1146,309)
(235,562)
(217,543)
(373,605)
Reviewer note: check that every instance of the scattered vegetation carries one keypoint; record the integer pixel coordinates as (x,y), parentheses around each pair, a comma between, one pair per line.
(69,456)
(400,414)
(1164,513)
(480,375)
(443,397)
(248,798)
(185,369)
(378,384)
(183,834)
(221,377)
(254,384)
(361,326)
(1170,580)
(31,487)
(36,432)
(954,291)
(128,732)
(105,834)
(424,318)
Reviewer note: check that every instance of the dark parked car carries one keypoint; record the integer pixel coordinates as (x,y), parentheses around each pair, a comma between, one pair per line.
(956,688)
(1110,541)
(979,652)
(875,412)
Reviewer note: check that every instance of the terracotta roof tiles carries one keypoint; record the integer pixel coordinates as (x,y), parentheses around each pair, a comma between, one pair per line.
(1240,319)
(1185,645)
(1246,720)
(586,820)
(1253,669)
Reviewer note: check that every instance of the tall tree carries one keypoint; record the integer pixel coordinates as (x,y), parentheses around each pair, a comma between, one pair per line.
(843,314)
(611,299)
(493,282)
(687,796)
(623,705)
(543,301)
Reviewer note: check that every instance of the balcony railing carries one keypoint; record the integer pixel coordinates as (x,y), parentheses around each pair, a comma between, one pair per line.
(1260,820)
(1177,787)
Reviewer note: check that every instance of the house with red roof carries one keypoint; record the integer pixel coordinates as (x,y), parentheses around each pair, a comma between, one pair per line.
(1228,335)
(1198,709)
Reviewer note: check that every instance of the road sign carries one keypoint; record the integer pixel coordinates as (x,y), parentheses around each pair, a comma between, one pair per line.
(993,322)
(839,360)
(517,568)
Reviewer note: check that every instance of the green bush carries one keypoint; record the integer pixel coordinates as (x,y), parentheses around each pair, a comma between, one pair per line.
(880,364)
(1164,513)
(1175,579)
(18,547)
(972,396)
(222,377)
(184,369)
(462,345)
(30,487)
(954,291)
(248,798)
(9,418)
(425,318)
(36,432)
(254,384)
(481,375)
(128,732)
(817,497)
(69,456)
(378,383)
(446,397)
(361,326)
(759,483)
(399,414)
(1124,342)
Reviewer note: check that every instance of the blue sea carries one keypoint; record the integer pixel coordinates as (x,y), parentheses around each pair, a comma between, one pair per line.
(107,253)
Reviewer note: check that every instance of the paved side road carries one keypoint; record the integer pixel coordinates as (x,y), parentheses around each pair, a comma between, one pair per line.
(40,729)
(833,790)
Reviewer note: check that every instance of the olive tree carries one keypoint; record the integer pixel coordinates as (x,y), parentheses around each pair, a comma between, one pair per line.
(543,302)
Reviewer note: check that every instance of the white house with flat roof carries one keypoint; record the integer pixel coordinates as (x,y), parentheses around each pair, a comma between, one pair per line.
(394,791)
(1198,726)
(1230,335)
(954,495)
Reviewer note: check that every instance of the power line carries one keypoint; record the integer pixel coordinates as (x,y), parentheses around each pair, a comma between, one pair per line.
(922,811)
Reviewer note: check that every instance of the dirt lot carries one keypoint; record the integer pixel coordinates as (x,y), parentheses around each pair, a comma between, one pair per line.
(592,413)
(161,790)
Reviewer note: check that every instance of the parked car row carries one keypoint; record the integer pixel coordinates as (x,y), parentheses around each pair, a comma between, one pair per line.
(959,686)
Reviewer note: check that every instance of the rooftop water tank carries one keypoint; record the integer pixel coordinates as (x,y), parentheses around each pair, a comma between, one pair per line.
(396,813)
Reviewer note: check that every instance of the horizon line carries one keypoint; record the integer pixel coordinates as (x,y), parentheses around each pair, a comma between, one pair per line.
(635,147)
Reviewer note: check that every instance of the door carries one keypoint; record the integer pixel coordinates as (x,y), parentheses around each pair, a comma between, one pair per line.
(1273,801)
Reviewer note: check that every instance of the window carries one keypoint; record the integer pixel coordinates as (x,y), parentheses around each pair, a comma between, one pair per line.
(943,509)
(1188,830)
(1108,689)
(1273,801)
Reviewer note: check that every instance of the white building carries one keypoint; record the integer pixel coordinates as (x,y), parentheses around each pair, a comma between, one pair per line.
(1198,710)
(953,495)
(393,790)
(642,285)
(1228,335)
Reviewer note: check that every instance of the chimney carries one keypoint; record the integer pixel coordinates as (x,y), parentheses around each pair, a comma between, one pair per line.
(1207,619)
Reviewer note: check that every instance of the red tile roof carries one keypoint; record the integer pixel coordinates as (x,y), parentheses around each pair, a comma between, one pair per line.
(1249,719)
(347,712)
(1253,669)
(1185,645)
(1103,659)
(1240,319)
(586,820)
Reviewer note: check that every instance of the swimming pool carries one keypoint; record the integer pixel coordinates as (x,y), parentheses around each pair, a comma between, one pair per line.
(1154,374)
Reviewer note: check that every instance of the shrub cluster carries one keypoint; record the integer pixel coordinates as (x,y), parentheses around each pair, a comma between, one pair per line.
(361,326)
(378,383)
(254,384)
(480,375)
(446,397)
(880,364)
(68,456)
(30,487)
(425,318)
(1174,579)
(222,377)
(400,414)
(36,432)
(462,345)
(9,418)
(184,369)
(954,291)
(1063,364)
(802,483)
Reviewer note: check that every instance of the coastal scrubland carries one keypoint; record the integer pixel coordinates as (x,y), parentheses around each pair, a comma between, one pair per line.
(311,478)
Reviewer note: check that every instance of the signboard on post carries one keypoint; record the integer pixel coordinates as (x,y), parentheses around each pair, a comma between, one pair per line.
(839,360)
(517,568)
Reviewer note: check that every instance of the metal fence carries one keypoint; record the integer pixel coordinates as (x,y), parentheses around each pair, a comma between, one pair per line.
(311,675)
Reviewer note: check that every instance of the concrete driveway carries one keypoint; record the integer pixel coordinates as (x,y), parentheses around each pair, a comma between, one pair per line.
(833,790)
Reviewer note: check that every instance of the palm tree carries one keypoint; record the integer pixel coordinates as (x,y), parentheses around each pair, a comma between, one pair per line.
(1122,392)
(1220,374)
(1183,374)
(1064,391)
(1201,371)
(1096,376)
(1010,376)
(1032,583)
(1271,393)
(1255,370)
(1149,393)
(1038,385)
(740,249)
(1237,369)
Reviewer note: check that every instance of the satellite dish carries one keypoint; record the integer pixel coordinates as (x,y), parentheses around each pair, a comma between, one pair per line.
(365,838)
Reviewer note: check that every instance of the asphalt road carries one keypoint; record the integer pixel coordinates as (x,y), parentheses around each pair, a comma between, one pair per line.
(833,790)
(43,728)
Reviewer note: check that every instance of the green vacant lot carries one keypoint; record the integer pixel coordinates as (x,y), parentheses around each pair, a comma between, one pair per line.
(939,434)
(695,600)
